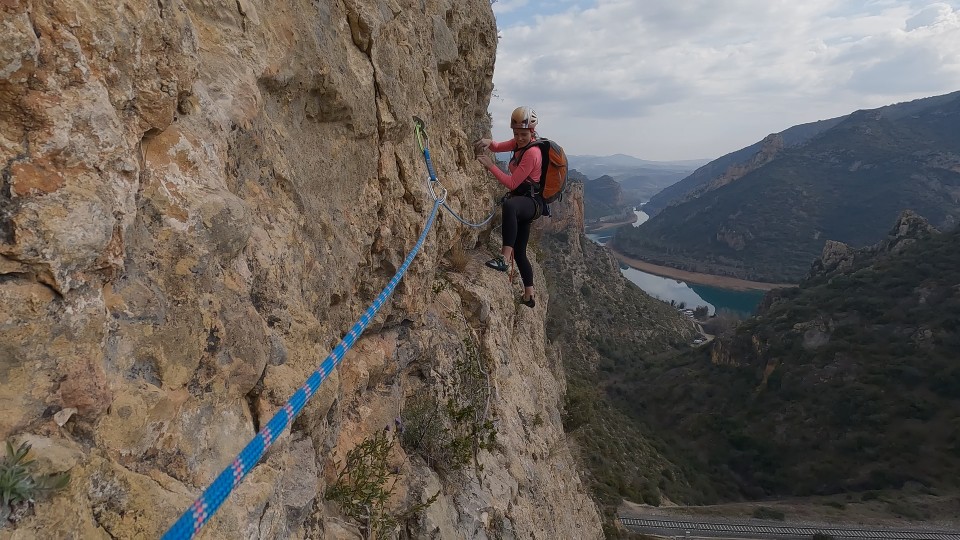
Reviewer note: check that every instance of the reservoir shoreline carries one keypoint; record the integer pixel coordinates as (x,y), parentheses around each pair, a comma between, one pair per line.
(723,282)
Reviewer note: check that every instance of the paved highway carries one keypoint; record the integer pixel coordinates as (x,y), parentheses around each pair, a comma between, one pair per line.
(751,529)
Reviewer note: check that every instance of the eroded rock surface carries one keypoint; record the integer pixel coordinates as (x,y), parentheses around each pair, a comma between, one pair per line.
(198,199)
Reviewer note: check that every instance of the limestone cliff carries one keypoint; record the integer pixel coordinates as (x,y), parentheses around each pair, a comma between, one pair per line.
(198,198)
(603,197)
(769,148)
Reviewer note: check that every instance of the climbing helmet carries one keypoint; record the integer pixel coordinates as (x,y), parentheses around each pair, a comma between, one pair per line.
(523,118)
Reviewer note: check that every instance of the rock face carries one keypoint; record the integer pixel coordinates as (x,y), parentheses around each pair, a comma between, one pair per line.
(198,199)
(838,258)
(566,215)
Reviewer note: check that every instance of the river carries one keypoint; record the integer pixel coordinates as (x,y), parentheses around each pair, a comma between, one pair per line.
(690,294)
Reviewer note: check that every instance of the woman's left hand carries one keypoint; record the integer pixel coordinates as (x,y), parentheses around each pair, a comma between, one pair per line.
(485,160)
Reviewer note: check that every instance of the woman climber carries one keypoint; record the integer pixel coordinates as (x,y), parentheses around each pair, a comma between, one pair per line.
(524,203)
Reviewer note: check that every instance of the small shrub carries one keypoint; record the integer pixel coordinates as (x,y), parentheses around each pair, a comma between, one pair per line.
(651,495)
(19,484)
(765,512)
(426,432)
(365,484)
(449,434)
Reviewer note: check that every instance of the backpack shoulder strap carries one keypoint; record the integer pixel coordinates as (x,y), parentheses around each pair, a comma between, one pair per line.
(518,154)
(544,145)
(539,143)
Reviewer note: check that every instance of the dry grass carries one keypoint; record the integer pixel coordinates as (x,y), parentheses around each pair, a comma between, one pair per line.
(458,258)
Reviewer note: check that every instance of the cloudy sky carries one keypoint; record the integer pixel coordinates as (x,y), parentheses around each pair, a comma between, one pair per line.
(690,79)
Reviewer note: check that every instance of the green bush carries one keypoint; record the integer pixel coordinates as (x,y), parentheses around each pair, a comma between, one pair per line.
(20,484)
(364,486)
(449,435)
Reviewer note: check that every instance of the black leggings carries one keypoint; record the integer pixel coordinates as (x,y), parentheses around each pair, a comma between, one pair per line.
(518,213)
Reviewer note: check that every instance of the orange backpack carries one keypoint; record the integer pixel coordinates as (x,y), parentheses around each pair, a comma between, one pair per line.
(553,174)
(553,171)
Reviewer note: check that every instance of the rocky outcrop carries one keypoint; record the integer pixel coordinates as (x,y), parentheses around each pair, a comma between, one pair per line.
(566,215)
(836,257)
(605,190)
(839,258)
(198,199)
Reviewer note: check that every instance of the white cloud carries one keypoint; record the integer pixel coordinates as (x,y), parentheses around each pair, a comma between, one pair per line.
(932,16)
(502,7)
(700,78)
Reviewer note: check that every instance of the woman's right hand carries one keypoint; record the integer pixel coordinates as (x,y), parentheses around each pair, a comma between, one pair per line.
(482,145)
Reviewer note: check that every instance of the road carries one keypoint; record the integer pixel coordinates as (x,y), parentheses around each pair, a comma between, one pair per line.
(707,338)
(754,529)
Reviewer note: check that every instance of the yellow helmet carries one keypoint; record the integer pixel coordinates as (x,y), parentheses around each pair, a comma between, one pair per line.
(523,118)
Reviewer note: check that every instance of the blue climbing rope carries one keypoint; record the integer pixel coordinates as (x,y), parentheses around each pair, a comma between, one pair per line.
(420,128)
(207,504)
(214,496)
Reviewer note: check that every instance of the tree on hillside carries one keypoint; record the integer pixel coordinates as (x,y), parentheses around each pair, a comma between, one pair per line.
(723,323)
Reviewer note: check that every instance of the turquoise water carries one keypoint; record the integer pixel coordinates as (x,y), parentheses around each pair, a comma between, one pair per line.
(742,302)
(691,295)
(667,289)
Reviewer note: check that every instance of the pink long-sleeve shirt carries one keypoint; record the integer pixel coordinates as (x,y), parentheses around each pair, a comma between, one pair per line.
(528,168)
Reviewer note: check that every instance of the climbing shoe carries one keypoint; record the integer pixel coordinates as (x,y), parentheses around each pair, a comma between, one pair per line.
(529,302)
(497,263)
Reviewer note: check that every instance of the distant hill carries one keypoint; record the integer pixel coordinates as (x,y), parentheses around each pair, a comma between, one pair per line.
(623,161)
(602,197)
(849,382)
(790,137)
(773,212)
(793,136)
(640,178)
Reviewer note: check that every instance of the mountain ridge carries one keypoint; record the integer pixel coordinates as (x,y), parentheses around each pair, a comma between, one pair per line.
(844,183)
(792,136)
(621,160)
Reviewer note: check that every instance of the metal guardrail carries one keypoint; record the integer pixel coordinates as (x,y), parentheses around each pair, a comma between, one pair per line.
(748,529)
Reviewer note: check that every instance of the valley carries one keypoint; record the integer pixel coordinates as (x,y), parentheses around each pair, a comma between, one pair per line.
(836,402)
